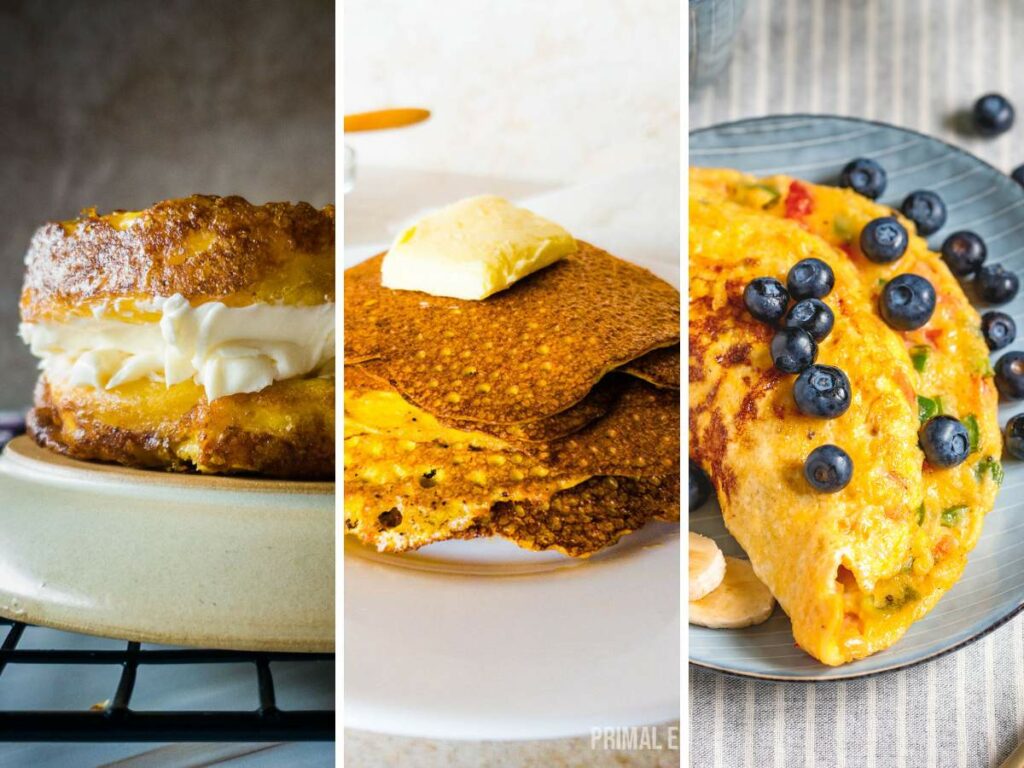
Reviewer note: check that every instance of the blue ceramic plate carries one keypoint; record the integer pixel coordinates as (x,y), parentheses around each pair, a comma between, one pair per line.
(979,198)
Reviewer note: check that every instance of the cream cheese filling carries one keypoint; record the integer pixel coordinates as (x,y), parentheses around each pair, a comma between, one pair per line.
(225,350)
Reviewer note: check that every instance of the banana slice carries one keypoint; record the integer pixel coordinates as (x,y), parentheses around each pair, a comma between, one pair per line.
(707,566)
(741,600)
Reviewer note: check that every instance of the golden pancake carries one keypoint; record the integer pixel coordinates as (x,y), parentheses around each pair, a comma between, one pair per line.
(574,418)
(588,517)
(431,482)
(363,295)
(503,417)
(528,352)
(660,367)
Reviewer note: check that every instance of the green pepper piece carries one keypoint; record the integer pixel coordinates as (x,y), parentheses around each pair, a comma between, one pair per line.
(951,516)
(926,408)
(919,356)
(768,188)
(989,464)
(973,434)
(920,514)
(843,228)
(893,601)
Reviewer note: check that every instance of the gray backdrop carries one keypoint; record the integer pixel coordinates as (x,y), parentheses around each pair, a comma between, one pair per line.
(120,103)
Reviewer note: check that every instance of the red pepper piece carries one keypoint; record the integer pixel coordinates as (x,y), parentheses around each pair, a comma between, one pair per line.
(799,202)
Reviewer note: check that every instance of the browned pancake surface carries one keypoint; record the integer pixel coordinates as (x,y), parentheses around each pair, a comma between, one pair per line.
(659,367)
(525,353)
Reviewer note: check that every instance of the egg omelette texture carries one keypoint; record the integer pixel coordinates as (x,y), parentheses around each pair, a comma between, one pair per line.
(854,569)
(520,415)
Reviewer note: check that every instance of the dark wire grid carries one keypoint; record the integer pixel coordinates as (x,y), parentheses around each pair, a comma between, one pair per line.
(117,721)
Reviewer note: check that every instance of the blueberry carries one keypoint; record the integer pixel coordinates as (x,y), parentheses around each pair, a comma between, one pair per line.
(907,302)
(864,176)
(945,441)
(1018,175)
(1010,375)
(793,349)
(810,279)
(964,253)
(813,315)
(822,391)
(1015,436)
(766,299)
(700,486)
(998,329)
(883,240)
(993,114)
(926,210)
(997,285)
(828,468)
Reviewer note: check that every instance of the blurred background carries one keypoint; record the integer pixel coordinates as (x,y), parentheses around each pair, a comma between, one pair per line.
(533,89)
(918,65)
(526,97)
(121,103)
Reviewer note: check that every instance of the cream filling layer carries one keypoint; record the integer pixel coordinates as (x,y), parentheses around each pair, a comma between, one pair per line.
(226,350)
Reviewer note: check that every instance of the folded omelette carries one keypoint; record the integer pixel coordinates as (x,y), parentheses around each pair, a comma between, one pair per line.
(854,569)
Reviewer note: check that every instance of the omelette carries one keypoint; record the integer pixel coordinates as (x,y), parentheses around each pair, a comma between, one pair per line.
(853,569)
(546,413)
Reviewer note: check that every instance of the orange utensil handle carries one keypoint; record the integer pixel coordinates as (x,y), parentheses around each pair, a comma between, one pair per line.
(383,119)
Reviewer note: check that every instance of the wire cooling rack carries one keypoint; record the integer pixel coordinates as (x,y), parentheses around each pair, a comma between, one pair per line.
(115,720)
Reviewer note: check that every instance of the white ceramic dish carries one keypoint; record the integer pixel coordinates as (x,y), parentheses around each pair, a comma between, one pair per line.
(164,558)
(483,640)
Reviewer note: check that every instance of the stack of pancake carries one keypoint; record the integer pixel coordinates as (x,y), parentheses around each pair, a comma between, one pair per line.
(547,413)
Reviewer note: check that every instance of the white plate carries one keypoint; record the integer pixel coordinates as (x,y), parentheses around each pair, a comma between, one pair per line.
(164,558)
(482,640)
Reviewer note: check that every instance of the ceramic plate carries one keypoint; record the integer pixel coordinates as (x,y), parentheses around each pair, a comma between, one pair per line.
(483,640)
(162,558)
(979,198)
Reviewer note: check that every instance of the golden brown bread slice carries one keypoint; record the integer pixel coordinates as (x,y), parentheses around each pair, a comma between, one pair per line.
(285,430)
(203,247)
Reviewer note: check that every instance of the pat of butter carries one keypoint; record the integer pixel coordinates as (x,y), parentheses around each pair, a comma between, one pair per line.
(473,249)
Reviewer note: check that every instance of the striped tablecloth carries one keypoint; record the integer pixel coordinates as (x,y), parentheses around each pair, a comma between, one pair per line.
(919,64)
